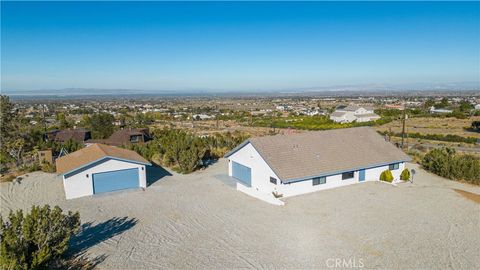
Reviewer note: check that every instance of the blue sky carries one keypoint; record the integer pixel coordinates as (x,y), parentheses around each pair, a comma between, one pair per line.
(236,45)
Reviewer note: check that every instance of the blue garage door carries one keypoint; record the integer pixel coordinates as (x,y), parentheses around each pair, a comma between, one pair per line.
(242,173)
(116,180)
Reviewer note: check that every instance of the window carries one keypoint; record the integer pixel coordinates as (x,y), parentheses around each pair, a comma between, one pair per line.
(273,180)
(135,138)
(394,166)
(319,180)
(347,175)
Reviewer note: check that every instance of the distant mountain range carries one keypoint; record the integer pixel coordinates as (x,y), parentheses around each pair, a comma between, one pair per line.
(68,92)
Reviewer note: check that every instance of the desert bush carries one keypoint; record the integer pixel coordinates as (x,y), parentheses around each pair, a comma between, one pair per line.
(185,151)
(36,240)
(47,167)
(405,175)
(447,163)
(437,137)
(386,176)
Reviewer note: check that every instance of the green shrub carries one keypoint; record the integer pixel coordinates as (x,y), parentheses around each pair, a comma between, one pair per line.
(447,163)
(405,175)
(36,240)
(47,167)
(386,176)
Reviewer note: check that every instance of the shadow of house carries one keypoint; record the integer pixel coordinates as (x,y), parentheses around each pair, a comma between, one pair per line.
(155,173)
(91,235)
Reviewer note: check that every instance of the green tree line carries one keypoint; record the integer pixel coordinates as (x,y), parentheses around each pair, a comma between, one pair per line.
(447,163)
(184,151)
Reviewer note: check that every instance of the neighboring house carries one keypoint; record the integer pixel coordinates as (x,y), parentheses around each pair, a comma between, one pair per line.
(350,113)
(100,168)
(202,117)
(79,135)
(477,107)
(288,165)
(125,137)
(433,110)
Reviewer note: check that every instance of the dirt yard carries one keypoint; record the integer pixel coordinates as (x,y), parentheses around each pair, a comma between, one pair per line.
(430,125)
(198,221)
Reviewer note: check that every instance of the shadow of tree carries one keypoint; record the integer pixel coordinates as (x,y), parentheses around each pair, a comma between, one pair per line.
(155,173)
(80,262)
(91,235)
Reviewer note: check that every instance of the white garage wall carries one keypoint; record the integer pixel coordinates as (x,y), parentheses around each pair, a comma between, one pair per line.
(261,172)
(79,185)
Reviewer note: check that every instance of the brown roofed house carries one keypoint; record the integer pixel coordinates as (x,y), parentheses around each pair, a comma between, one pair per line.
(125,137)
(78,134)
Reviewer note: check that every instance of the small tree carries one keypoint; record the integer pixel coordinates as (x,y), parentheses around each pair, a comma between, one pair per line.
(386,176)
(37,239)
(405,176)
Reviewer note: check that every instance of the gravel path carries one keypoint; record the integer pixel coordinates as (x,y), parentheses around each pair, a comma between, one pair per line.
(199,221)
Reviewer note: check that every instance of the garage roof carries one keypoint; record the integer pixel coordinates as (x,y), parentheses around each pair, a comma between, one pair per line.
(93,153)
(301,156)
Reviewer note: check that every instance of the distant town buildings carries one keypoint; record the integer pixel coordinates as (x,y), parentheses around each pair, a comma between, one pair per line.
(350,113)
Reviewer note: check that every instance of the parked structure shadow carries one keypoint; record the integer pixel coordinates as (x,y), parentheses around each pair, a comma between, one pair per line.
(155,173)
(91,235)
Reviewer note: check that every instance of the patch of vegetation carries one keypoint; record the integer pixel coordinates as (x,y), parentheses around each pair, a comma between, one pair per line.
(36,240)
(386,176)
(405,175)
(435,137)
(447,163)
(312,122)
(100,124)
(185,152)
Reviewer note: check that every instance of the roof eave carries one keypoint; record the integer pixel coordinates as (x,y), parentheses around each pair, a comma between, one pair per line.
(105,157)
(292,180)
(234,150)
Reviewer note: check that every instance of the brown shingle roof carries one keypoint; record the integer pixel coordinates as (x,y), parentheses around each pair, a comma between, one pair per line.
(317,153)
(79,135)
(93,153)
(122,137)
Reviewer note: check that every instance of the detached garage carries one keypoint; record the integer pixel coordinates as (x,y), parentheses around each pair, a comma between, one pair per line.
(99,168)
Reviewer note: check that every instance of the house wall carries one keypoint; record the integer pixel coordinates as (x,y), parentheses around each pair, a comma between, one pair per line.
(301,187)
(346,118)
(261,172)
(79,185)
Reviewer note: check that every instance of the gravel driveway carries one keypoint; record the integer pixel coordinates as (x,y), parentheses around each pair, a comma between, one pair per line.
(199,221)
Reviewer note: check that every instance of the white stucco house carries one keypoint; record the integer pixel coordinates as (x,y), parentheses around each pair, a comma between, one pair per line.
(289,165)
(433,110)
(100,168)
(350,113)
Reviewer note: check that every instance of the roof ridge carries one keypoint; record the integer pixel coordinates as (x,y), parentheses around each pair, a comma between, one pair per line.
(100,146)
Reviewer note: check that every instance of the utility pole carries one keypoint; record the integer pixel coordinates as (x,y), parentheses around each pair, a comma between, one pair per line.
(403,124)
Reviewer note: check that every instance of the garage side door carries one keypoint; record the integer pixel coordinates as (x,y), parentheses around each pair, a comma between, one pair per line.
(242,173)
(115,180)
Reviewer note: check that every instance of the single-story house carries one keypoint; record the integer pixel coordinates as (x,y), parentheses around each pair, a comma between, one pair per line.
(100,168)
(79,135)
(124,137)
(288,165)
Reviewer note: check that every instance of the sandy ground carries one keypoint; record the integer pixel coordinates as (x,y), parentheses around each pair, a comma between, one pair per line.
(198,221)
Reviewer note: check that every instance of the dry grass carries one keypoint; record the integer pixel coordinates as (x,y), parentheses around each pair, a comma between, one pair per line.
(431,125)
(468,195)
